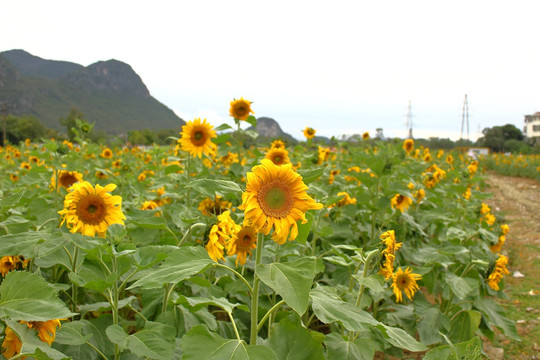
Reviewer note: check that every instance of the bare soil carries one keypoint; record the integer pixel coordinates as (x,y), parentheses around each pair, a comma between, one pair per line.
(516,201)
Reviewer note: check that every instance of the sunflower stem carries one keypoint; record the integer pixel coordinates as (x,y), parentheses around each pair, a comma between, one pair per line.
(255,292)
(365,273)
(234,326)
(268,313)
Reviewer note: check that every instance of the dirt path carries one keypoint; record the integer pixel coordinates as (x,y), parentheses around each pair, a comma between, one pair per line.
(517,202)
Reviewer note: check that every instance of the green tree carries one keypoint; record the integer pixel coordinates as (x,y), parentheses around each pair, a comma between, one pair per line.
(27,127)
(498,138)
(70,122)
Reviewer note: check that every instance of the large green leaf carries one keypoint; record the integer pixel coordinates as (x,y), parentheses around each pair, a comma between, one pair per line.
(291,341)
(32,345)
(432,321)
(200,343)
(470,350)
(459,286)
(496,316)
(11,201)
(329,308)
(339,348)
(155,341)
(178,266)
(464,325)
(73,333)
(209,187)
(400,338)
(291,280)
(197,303)
(26,296)
(311,175)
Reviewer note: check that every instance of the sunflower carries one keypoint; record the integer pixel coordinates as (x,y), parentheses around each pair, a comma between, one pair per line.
(408,145)
(309,133)
(197,138)
(14,177)
(214,206)
(365,136)
(11,345)
(345,200)
(278,156)
(419,195)
(389,253)
(400,202)
(106,153)
(498,272)
(46,329)
(220,234)
(149,205)
(90,210)
(101,175)
(240,109)
(66,179)
(405,281)
(8,263)
(498,246)
(242,244)
(277,144)
(276,198)
(505,229)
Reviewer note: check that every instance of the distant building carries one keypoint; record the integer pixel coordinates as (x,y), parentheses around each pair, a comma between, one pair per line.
(531,130)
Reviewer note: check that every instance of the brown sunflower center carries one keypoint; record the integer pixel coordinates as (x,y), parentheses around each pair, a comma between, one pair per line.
(241,111)
(198,137)
(278,159)
(66,180)
(246,238)
(403,282)
(399,199)
(91,209)
(275,199)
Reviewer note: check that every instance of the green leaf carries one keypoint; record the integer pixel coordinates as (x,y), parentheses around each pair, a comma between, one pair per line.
(339,348)
(32,345)
(200,343)
(101,306)
(329,308)
(26,296)
(197,303)
(495,316)
(252,120)
(155,341)
(372,282)
(464,325)
(431,323)
(291,341)
(222,127)
(179,265)
(304,229)
(459,286)
(470,350)
(71,333)
(11,201)
(291,280)
(308,176)
(209,187)
(148,222)
(400,338)
(221,138)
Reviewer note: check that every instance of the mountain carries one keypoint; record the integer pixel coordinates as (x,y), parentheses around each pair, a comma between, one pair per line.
(108,93)
(269,128)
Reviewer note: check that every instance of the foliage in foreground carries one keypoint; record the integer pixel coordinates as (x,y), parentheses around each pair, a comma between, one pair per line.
(402,257)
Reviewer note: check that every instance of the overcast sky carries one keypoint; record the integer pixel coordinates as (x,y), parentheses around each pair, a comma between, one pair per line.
(341,67)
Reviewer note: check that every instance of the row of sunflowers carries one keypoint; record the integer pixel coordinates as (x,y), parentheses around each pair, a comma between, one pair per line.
(210,250)
(513,164)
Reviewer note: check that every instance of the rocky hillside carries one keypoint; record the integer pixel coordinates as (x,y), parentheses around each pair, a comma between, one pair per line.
(109,93)
(269,128)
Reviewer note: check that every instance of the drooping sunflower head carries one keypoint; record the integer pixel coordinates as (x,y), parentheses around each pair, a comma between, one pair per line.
(66,179)
(214,206)
(242,244)
(46,329)
(279,156)
(309,133)
(11,345)
(276,198)
(90,210)
(405,281)
(408,145)
(240,109)
(197,138)
(401,202)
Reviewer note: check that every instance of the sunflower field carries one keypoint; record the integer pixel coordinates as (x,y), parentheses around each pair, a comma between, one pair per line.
(210,250)
(513,164)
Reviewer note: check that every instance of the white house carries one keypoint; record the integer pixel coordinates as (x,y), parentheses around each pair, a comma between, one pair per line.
(531,130)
